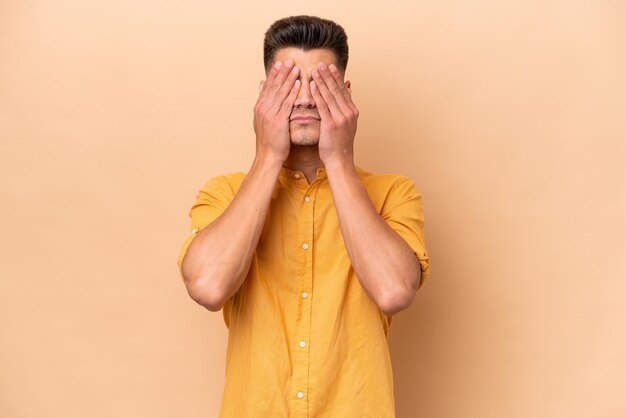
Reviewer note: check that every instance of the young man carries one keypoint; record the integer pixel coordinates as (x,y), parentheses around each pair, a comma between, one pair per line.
(308,254)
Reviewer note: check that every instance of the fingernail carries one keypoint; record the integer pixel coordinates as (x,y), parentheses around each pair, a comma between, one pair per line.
(332,67)
(322,66)
(315,73)
(288,63)
(278,64)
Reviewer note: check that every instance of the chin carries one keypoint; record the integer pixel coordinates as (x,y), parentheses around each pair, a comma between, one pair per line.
(305,138)
(297,140)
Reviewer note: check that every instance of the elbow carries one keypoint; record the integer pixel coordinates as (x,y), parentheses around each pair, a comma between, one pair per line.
(404,294)
(203,294)
(392,307)
(199,288)
(396,302)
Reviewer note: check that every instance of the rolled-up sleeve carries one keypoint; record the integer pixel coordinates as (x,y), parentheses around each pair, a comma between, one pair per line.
(403,212)
(211,201)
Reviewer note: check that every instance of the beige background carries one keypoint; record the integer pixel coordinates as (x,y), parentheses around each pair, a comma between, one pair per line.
(510,117)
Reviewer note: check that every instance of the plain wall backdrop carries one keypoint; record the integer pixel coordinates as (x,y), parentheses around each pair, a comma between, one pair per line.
(509,116)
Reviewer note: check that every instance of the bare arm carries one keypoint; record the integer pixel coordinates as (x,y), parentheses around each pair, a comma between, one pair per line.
(218,258)
(384,263)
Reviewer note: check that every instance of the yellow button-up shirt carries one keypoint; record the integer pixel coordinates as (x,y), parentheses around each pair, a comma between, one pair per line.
(304,339)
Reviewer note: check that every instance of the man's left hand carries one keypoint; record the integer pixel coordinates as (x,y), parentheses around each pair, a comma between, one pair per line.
(337,112)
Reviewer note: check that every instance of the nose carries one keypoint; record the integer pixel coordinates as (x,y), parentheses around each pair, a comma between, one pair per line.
(304,99)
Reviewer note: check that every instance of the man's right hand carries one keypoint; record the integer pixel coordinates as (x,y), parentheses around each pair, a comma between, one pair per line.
(218,259)
(272,111)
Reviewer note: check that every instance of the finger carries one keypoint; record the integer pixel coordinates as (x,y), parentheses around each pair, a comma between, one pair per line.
(287,105)
(269,102)
(328,97)
(285,89)
(322,107)
(335,88)
(345,90)
(270,79)
(280,77)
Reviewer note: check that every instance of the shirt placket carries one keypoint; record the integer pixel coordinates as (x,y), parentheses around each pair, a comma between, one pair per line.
(300,381)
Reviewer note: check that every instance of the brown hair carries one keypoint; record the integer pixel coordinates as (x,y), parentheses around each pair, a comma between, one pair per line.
(305,32)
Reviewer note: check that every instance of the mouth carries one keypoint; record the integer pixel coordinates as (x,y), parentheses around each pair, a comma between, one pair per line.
(304,119)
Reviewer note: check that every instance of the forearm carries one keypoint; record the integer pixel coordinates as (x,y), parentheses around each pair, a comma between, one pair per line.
(385,265)
(218,258)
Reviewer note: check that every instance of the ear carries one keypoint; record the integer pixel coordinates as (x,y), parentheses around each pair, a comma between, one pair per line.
(261,86)
(348,86)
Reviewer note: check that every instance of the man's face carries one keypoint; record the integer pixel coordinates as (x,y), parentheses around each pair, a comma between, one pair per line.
(305,132)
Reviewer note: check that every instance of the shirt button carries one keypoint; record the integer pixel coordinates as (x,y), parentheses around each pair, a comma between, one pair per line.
(305,246)
(297,175)
(302,343)
(307,199)
(305,295)
(300,394)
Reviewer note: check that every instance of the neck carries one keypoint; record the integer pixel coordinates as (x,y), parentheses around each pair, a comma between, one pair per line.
(305,158)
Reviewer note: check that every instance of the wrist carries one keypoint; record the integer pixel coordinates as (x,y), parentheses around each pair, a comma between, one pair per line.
(340,162)
(267,163)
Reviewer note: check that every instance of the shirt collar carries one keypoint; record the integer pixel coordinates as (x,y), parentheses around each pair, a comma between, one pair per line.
(289,174)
